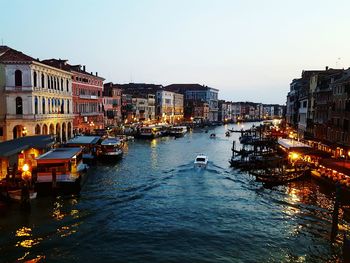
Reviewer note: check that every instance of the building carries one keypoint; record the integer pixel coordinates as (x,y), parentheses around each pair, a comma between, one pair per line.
(199,93)
(112,104)
(87,90)
(169,106)
(35,98)
(127,108)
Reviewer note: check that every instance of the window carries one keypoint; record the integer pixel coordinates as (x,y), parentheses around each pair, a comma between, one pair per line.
(48,82)
(35,79)
(19,106)
(42,80)
(43,105)
(67,85)
(62,107)
(18,78)
(62,84)
(67,106)
(35,105)
(1,131)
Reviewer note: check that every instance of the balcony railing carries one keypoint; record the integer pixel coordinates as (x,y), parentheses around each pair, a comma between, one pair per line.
(89,97)
(38,116)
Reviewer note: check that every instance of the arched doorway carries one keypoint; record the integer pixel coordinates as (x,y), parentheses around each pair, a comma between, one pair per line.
(69,130)
(37,129)
(18,131)
(52,129)
(58,132)
(64,132)
(45,129)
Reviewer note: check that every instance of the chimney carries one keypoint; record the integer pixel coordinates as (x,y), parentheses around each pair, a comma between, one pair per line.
(92,73)
(326,67)
(96,74)
(84,68)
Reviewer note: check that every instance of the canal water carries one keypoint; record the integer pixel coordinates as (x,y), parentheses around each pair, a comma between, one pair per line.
(153,206)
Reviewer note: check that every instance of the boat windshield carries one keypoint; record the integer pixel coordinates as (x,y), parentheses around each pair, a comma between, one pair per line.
(200,159)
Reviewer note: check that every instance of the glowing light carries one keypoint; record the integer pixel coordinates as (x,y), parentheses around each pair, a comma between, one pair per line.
(25,168)
(294,156)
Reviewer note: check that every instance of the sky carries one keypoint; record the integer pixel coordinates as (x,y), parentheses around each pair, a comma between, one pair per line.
(249,50)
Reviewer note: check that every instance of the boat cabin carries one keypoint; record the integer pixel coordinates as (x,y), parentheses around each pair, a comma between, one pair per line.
(66,162)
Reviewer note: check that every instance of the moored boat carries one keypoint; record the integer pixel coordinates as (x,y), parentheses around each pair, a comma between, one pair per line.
(60,170)
(111,149)
(178,131)
(17,194)
(149,132)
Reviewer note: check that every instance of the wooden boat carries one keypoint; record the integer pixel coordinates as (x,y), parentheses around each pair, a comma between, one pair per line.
(272,178)
(16,194)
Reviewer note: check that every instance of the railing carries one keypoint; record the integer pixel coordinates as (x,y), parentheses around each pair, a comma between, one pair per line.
(18,88)
(90,113)
(89,97)
(38,116)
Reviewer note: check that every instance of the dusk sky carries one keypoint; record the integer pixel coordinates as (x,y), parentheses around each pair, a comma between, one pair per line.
(250,50)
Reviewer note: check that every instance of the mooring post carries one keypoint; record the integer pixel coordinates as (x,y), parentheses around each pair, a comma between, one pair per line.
(335,217)
(25,197)
(54,181)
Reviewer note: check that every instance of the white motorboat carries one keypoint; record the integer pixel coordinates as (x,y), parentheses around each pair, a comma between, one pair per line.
(201,161)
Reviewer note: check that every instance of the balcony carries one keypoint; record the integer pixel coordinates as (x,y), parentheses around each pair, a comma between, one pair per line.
(19,88)
(88,97)
(90,113)
(38,116)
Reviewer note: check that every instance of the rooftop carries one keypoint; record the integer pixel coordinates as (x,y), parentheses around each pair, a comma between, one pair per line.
(84,140)
(60,153)
(9,55)
(12,147)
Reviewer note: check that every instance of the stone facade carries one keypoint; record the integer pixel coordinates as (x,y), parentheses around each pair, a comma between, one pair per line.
(35,98)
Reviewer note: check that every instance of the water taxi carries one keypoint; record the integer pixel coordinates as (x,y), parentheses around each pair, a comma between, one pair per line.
(60,170)
(201,161)
(111,149)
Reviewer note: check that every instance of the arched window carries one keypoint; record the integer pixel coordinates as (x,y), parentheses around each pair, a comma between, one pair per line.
(35,105)
(18,78)
(42,80)
(67,106)
(67,83)
(62,84)
(49,105)
(62,107)
(35,79)
(48,82)
(52,87)
(19,106)
(43,105)
(54,83)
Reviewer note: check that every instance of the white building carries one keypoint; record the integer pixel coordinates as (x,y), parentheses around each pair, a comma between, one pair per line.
(34,98)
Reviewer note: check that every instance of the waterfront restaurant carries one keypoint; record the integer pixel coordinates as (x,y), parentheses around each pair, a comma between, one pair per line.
(14,154)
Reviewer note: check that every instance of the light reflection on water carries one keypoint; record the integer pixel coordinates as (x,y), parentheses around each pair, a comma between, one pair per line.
(154,206)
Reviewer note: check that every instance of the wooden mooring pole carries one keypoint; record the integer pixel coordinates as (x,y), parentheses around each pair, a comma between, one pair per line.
(335,217)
